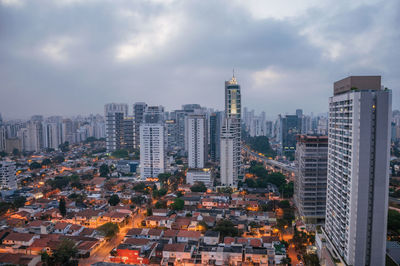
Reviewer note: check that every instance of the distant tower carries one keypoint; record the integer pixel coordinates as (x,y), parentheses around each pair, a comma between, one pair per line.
(196,128)
(215,136)
(153,139)
(138,112)
(231,135)
(115,114)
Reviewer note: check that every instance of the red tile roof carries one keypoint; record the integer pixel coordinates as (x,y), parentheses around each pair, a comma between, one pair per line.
(19,237)
(189,234)
(174,247)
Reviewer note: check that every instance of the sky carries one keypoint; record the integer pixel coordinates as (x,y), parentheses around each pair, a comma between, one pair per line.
(69,57)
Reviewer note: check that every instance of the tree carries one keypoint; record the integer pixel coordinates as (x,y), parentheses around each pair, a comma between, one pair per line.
(393,223)
(226,228)
(35,165)
(104,170)
(163,177)
(64,254)
(58,159)
(284,204)
(62,207)
(4,207)
(178,204)
(16,152)
(286,261)
(149,212)
(198,187)
(19,202)
(59,182)
(114,200)
(120,153)
(160,204)
(159,193)
(46,162)
(64,147)
(108,230)
(138,199)
(277,179)
(227,190)
(261,144)
(287,190)
(311,259)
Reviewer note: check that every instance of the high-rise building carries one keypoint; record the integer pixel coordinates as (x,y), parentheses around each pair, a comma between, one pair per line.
(138,111)
(299,113)
(231,169)
(152,142)
(310,181)
(358,170)
(8,178)
(34,135)
(128,133)
(52,133)
(215,136)
(197,141)
(115,114)
(2,138)
(290,127)
(172,134)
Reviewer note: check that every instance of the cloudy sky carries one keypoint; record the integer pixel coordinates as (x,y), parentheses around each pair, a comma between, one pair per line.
(72,56)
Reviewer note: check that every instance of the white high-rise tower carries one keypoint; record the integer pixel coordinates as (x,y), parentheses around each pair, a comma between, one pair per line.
(358,170)
(196,137)
(152,142)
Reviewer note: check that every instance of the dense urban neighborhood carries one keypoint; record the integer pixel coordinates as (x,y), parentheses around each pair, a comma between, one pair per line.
(192,186)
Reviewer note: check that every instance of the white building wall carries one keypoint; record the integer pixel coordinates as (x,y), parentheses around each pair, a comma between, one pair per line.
(227,161)
(152,148)
(7,175)
(358,165)
(196,140)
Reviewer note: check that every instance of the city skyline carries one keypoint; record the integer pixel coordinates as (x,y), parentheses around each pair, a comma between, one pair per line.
(146,52)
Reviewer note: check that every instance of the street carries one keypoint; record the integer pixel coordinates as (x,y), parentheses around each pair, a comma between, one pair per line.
(102,253)
(291,252)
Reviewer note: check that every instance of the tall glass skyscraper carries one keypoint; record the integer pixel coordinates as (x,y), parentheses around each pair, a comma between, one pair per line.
(231,135)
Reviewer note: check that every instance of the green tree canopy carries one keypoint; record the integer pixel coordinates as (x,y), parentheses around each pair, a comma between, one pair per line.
(62,207)
(226,228)
(108,230)
(178,204)
(120,153)
(35,165)
(261,144)
(58,159)
(65,254)
(159,193)
(114,200)
(393,223)
(163,177)
(46,161)
(198,187)
(104,170)
(19,202)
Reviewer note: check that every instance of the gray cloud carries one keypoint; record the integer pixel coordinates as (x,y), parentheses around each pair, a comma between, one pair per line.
(69,56)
